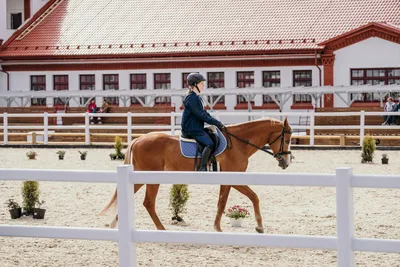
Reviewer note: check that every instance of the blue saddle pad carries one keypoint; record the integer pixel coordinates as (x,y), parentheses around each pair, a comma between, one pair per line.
(188,146)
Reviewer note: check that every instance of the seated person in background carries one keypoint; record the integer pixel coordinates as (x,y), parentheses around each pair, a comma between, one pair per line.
(105,107)
(92,108)
(389,106)
(396,108)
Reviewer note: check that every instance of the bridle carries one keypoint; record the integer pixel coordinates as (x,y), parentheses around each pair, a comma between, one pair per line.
(278,155)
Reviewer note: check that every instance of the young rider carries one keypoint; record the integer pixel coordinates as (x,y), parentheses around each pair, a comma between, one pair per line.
(194,116)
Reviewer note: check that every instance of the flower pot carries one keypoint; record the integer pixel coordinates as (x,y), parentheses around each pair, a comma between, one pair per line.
(236,222)
(83,157)
(38,213)
(385,161)
(15,213)
(60,157)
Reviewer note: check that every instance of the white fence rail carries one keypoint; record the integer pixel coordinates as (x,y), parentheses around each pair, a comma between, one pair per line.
(173,127)
(127,235)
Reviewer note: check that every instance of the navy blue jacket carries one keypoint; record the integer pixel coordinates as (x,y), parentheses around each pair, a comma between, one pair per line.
(194,115)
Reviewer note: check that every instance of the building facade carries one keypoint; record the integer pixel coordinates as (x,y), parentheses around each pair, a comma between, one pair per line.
(94,45)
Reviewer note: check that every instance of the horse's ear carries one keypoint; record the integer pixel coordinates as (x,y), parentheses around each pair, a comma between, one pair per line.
(285,123)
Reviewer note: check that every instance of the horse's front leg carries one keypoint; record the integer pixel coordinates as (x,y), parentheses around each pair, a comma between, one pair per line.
(222,199)
(150,204)
(245,190)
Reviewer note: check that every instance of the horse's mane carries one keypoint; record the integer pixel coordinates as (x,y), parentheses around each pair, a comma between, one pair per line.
(253,122)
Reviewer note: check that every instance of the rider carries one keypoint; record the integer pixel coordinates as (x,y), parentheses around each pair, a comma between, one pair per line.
(194,116)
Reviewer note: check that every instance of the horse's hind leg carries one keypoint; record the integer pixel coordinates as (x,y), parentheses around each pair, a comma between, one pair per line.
(245,190)
(135,189)
(223,197)
(150,204)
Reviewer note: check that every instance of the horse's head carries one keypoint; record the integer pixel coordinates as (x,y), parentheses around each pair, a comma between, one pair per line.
(279,142)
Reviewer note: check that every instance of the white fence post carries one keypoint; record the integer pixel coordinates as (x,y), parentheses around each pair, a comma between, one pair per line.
(312,130)
(126,220)
(172,123)
(87,131)
(129,127)
(46,128)
(344,217)
(362,124)
(5,131)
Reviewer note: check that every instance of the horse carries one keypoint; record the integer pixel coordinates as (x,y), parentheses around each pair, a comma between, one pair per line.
(158,151)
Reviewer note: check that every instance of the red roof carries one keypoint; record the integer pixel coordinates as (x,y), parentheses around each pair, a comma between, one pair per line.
(102,28)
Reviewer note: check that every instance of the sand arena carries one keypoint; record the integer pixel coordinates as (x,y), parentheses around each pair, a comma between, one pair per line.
(285,210)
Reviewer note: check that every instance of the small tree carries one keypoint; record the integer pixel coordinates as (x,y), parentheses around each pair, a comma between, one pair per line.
(178,197)
(30,194)
(368,149)
(118,145)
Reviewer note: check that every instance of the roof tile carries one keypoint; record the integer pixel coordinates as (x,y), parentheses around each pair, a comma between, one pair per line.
(104,27)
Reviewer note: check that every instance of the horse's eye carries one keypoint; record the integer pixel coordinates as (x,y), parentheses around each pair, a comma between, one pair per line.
(287,141)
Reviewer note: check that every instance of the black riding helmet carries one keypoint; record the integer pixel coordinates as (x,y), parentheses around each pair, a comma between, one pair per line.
(193,79)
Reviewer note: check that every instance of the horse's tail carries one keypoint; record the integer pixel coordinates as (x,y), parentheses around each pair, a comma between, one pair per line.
(128,157)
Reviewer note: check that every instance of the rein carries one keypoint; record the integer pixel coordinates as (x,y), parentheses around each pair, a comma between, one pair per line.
(264,148)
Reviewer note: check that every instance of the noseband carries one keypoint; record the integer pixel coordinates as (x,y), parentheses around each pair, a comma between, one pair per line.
(281,152)
(278,155)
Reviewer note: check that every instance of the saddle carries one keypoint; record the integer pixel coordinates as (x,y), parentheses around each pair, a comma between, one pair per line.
(191,149)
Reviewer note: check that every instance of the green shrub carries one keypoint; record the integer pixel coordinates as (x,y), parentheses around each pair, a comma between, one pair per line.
(30,194)
(118,145)
(178,197)
(368,149)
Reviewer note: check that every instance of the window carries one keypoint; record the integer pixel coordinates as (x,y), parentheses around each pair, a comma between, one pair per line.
(86,82)
(384,76)
(271,79)
(38,83)
(184,80)
(216,80)
(162,81)
(110,82)
(16,20)
(60,84)
(302,78)
(138,82)
(244,80)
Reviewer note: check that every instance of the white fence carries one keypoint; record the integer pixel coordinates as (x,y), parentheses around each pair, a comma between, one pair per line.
(173,126)
(127,235)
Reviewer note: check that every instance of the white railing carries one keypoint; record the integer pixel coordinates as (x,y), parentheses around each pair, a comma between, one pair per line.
(127,235)
(173,127)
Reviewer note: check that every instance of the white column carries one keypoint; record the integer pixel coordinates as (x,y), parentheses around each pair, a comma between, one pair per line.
(99,87)
(150,83)
(73,84)
(49,88)
(124,84)
(258,84)
(230,83)
(287,81)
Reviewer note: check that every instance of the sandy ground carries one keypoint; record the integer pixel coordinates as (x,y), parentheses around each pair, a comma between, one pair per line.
(285,210)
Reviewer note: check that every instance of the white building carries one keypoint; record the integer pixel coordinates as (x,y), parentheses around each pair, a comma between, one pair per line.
(14,13)
(128,45)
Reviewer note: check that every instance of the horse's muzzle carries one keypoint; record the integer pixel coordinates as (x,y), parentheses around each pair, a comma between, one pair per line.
(283,163)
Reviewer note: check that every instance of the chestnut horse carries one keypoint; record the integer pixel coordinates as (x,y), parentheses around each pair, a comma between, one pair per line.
(161,152)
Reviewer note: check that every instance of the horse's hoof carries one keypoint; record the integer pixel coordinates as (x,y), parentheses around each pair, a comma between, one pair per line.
(217,229)
(260,230)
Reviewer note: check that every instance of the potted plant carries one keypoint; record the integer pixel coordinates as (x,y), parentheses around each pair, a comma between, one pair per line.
(385,159)
(38,213)
(83,154)
(178,197)
(61,154)
(14,209)
(31,154)
(236,215)
(30,194)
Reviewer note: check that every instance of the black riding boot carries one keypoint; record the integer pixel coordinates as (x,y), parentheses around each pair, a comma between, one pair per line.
(205,155)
